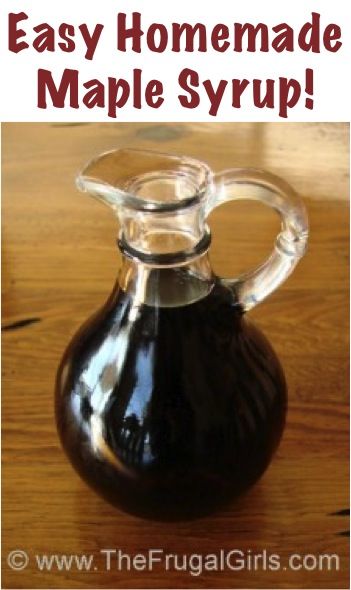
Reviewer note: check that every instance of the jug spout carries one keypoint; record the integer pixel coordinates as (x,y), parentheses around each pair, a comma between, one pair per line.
(145,180)
(159,199)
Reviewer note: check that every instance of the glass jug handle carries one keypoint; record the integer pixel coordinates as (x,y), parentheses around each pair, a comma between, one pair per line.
(290,244)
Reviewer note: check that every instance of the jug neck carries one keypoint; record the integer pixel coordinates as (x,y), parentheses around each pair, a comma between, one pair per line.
(164,240)
(166,286)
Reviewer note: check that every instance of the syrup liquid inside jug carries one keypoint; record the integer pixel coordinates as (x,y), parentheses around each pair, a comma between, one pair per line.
(169,403)
(194,415)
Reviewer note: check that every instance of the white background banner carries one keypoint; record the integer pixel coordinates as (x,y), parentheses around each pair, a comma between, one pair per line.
(277,80)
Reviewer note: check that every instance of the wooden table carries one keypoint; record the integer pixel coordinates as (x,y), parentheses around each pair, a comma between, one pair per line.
(59,263)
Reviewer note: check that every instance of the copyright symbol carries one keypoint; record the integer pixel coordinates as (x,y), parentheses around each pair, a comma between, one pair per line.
(17,560)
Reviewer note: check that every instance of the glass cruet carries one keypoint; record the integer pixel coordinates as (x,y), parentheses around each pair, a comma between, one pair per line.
(169,403)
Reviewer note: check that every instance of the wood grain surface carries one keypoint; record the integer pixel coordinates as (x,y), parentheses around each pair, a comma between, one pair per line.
(59,263)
